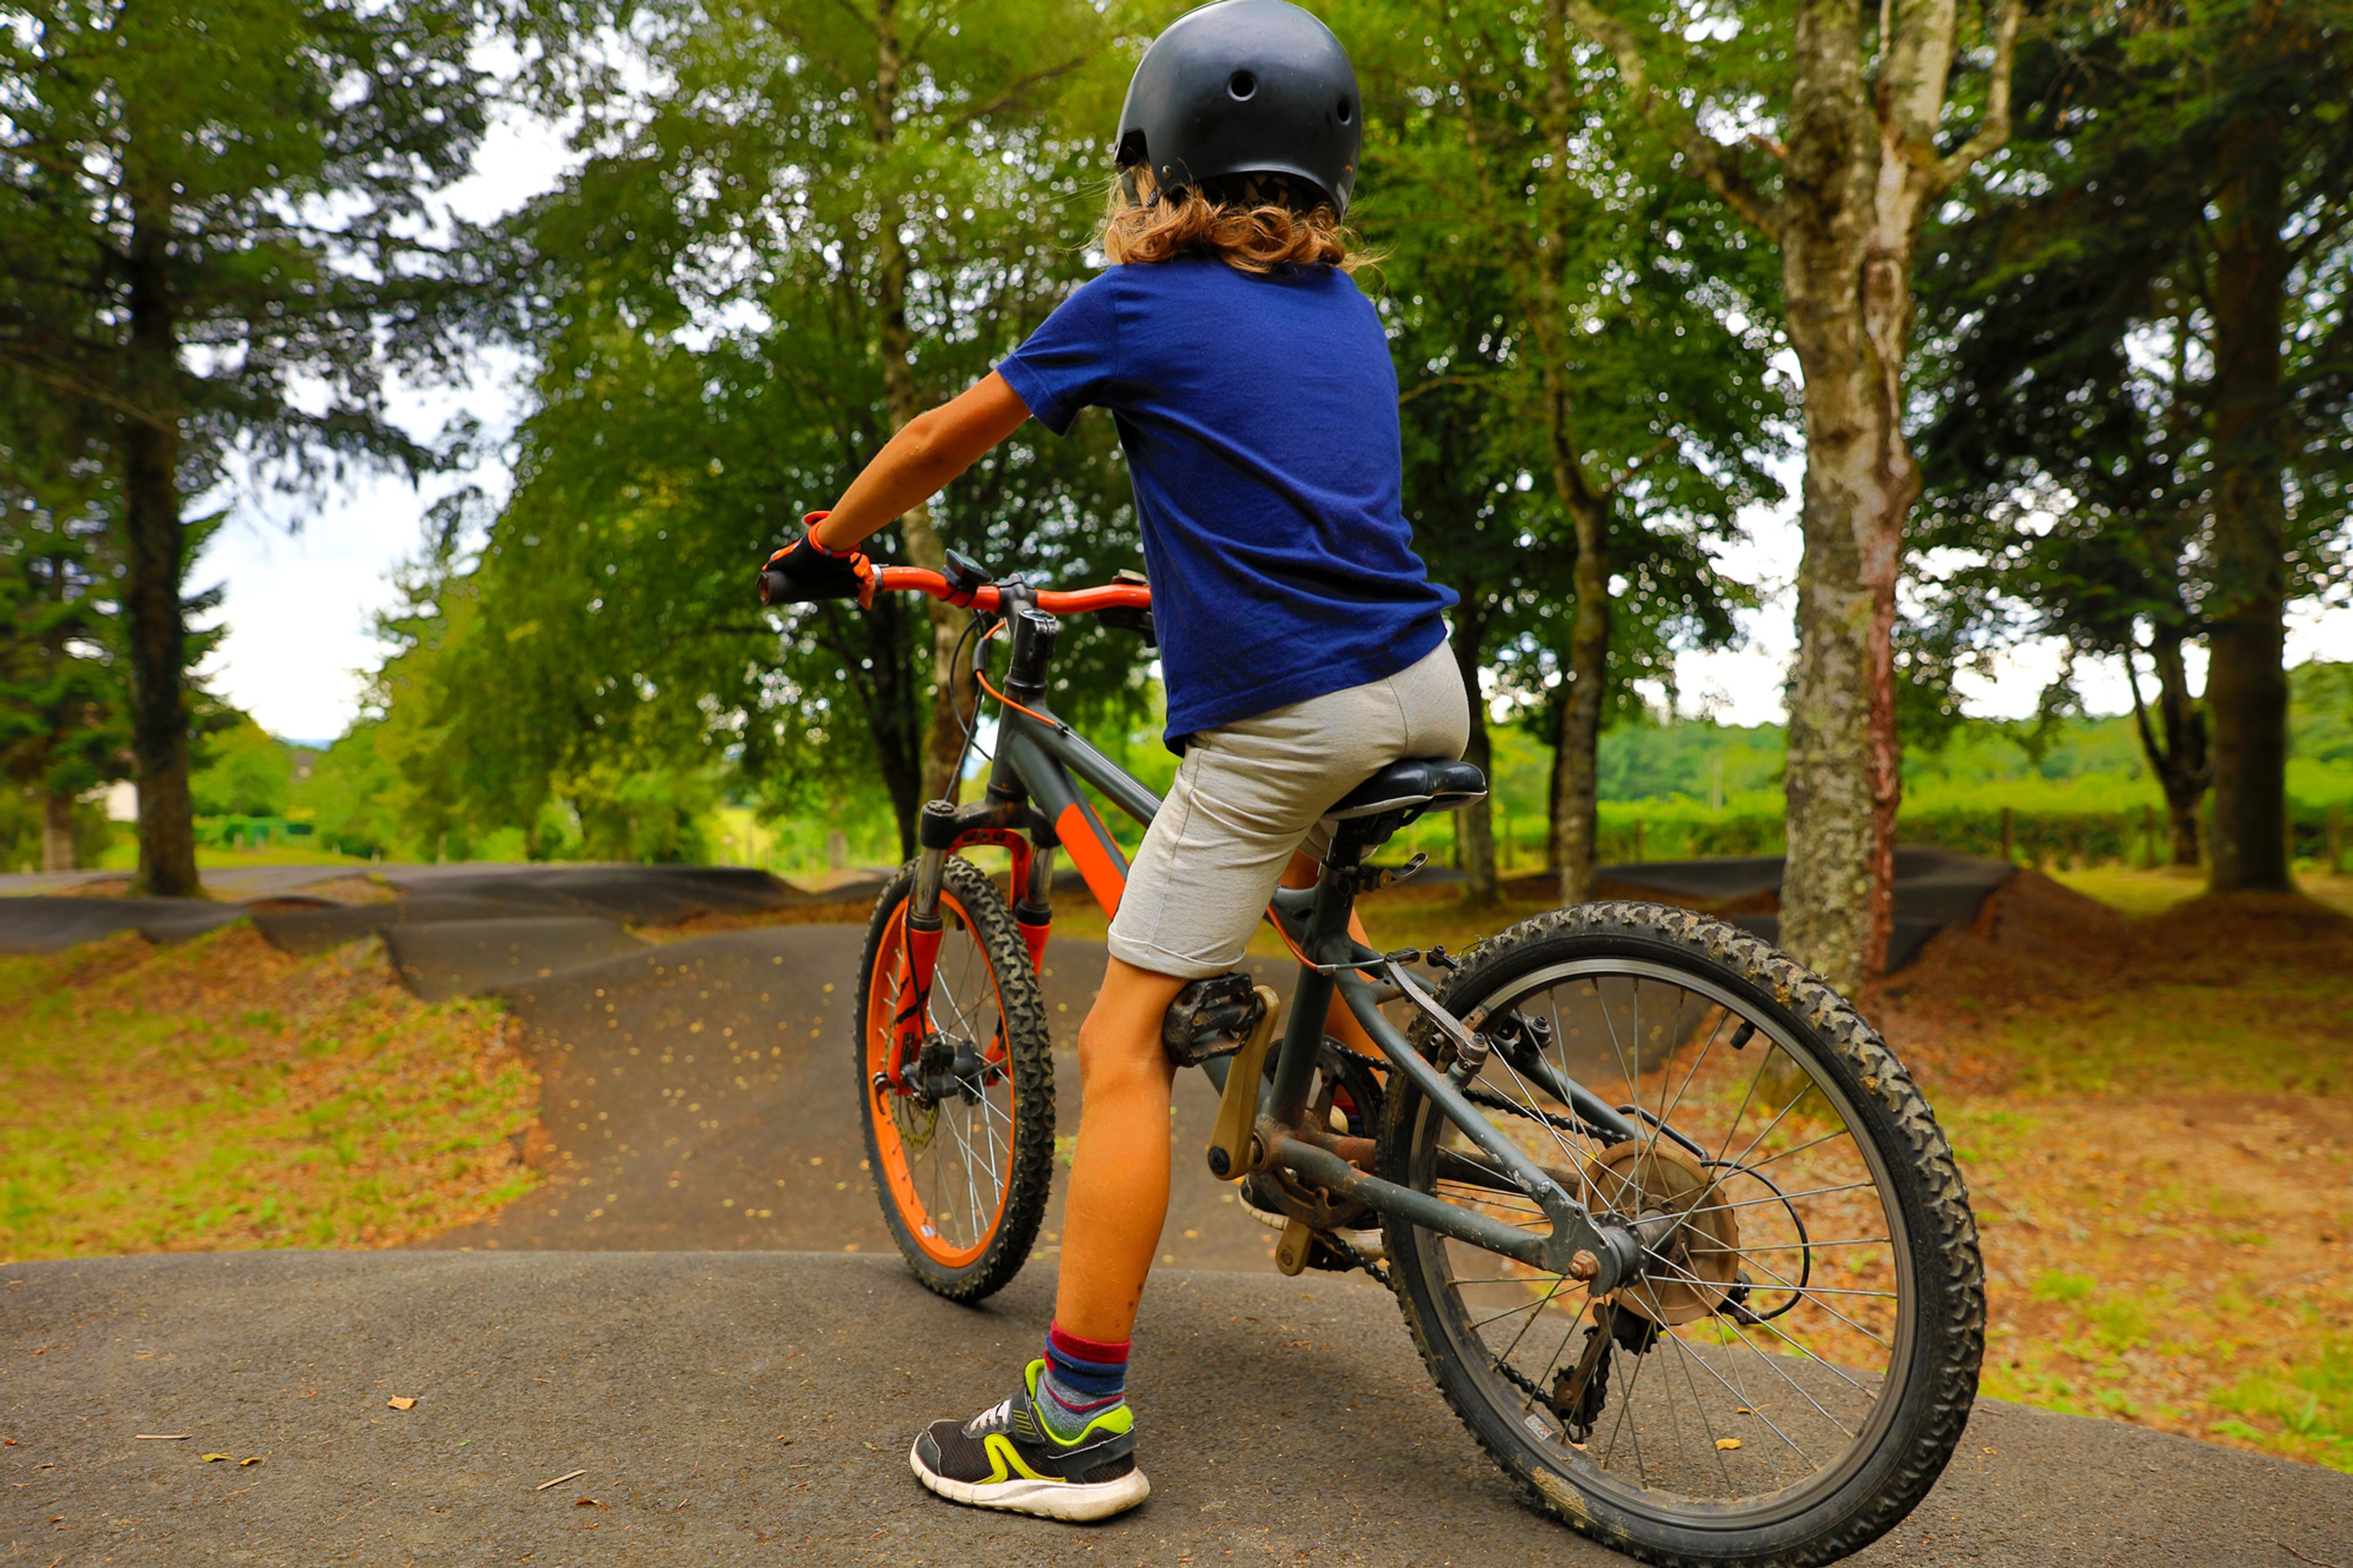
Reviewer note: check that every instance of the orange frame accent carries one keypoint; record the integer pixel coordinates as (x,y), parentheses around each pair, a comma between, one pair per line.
(1094,852)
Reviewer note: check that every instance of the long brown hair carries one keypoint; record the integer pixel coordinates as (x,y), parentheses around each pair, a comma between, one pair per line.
(1249,230)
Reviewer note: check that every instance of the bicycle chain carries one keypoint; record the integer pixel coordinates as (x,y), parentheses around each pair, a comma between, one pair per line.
(1355,1259)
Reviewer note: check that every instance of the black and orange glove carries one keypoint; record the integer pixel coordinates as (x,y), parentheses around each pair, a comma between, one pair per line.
(805,572)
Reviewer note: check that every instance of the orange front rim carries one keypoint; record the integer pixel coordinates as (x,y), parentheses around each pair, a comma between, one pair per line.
(987,1160)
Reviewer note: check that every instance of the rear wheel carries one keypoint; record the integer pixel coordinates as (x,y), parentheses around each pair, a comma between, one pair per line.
(962,1157)
(1788,1377)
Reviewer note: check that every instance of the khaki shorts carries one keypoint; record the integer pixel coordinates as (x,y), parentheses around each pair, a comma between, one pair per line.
(1249,794)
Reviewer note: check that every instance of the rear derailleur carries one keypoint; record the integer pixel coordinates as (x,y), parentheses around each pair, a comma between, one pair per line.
(1580,1391)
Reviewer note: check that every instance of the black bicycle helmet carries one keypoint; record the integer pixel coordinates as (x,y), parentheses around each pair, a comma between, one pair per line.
(1244,88)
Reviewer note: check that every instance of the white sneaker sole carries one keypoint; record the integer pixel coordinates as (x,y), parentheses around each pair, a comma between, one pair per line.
(1076,1501)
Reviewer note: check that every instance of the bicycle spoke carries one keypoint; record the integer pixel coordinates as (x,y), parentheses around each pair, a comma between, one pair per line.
(1706,1427)
(1756,1409)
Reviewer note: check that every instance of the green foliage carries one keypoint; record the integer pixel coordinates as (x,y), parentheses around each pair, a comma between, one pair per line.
(2136,429)
(347,798)
(2320,715)
(20,831)
(1578,331)
(62,724)
(712,362)
(246,772)
(222,235)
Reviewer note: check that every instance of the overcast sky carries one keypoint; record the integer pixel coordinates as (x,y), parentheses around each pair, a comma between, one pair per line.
(304,577)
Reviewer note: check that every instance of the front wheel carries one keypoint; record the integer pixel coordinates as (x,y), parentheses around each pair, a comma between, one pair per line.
(963,1154)
(1788,1376)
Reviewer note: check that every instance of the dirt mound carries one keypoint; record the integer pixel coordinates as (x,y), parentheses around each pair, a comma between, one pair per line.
(95,888)
(2228,925)
(2033,944)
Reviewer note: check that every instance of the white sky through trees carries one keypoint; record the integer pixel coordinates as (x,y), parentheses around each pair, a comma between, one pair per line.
(298,600)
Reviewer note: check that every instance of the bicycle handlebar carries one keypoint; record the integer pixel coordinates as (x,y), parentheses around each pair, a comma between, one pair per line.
(1070,602)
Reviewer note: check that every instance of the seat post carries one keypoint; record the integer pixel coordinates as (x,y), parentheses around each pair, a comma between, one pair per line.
(1311,999)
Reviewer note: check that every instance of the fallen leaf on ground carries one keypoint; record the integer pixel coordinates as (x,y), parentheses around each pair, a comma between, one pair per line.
(254,1460)
(587,1502)
(402,1402)
(1728,1441)
(210,1459)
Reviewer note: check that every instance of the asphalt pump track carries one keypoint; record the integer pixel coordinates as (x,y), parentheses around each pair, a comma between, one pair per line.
(757,1407)
(699,1308)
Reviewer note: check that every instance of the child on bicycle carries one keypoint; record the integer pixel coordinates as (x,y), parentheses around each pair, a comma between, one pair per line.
(1302,645)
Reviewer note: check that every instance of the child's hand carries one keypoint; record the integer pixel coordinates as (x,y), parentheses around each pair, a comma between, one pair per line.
(805,572)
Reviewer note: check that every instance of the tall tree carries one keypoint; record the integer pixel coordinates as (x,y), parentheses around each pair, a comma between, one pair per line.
(2064,470)
(1601,324)
(822,221)
(61,731)
(218,219)
(1848,134)
(2155,345)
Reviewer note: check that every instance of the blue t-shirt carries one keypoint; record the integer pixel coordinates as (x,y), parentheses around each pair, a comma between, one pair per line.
(1260,417)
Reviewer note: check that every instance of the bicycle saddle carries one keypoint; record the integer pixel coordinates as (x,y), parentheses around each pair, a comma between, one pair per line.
(1413,784)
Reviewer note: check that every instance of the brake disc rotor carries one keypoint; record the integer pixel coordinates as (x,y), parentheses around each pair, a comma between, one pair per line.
(918,1119)
(1654,1181)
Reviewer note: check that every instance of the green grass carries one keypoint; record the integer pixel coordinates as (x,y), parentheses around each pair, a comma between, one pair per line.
(2305,1407)
(122,855)
(220,1094)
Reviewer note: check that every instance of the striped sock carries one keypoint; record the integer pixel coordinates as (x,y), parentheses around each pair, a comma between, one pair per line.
(1084,1380)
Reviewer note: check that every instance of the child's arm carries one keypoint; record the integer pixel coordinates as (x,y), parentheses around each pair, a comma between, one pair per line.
(929,450)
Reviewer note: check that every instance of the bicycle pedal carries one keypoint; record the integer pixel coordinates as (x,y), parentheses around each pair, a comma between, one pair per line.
(1291,1253)
(1210,1019)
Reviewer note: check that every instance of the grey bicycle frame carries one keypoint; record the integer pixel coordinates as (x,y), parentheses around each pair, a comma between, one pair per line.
(1031,784)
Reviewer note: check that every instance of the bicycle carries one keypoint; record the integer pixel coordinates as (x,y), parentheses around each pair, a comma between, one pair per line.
(1768,1223)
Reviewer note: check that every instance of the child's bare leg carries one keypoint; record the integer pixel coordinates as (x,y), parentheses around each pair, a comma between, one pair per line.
(1118,1193)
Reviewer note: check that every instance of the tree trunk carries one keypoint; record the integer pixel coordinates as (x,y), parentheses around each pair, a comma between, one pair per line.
(1552,798)
(2179,757)
(954,690)
(1474,826)
(1854,202)
(154,564)
(1861,161)
(2246,677)
(57,833)
(895,717)
(1576,812)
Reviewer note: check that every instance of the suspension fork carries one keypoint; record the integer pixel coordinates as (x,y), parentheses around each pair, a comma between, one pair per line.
(943,829)
(923,928)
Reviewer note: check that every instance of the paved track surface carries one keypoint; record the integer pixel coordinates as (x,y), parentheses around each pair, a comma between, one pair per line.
(704,1094)
(757,1408)
(1934,888)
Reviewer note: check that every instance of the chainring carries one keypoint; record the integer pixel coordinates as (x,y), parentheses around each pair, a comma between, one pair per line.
(1343,1082)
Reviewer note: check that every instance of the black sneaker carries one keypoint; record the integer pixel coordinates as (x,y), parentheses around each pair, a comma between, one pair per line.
(1004,1457)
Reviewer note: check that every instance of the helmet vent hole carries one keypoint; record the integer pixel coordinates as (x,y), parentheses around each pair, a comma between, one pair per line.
(1241,85)
(1345,110)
